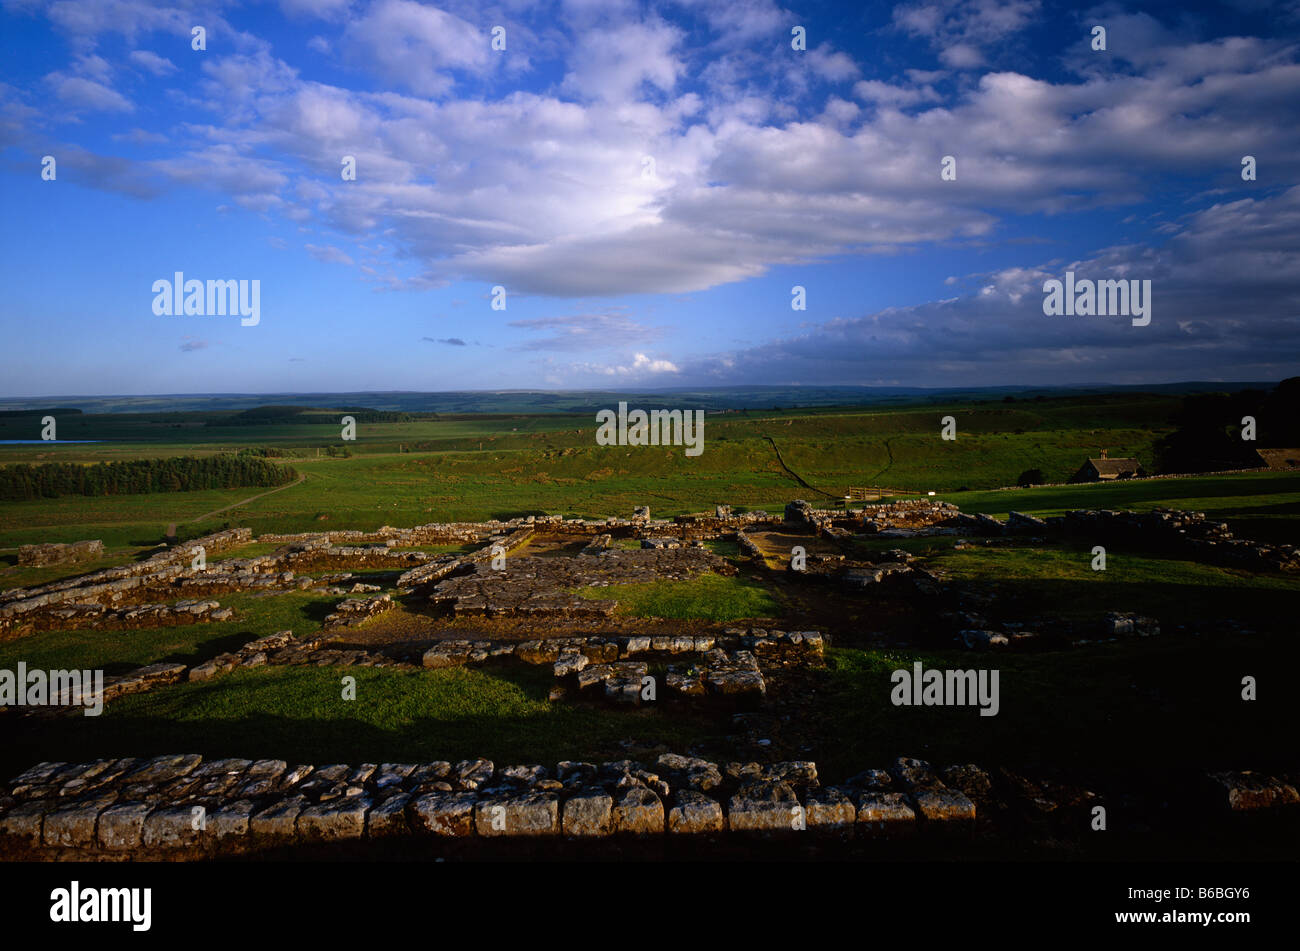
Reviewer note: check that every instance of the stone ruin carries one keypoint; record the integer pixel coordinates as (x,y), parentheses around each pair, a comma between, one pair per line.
(57,553)
(143,809)
(166,590)
(534,587)
(146,809)
(1188,534)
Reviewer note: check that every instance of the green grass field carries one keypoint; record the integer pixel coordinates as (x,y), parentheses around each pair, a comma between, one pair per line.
(468,469)
(706,598)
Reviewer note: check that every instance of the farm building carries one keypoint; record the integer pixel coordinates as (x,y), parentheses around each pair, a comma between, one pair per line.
(1106,469)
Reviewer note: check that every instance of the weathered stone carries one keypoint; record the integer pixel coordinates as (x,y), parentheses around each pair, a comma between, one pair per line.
(943,805)
(25,821)
(601,653)
(522,775)
(426,774)
(697,774)
(73,826)
(35,775)
(389,817)
(529,814)
(588,812)
(279,820)
(636,645)
(449,654)
(222,767)
(594,675)
(473,773)
(621,689)
(913,773)
(171,827)
(1246,790)
(687,683)
(230,820)
(885,813)
(763,806)
(163,769)
(694,813)
(830,809)
(799,773)
(570,662)
(639,811)
(121,827)
(575,774)
(342,818)
(444,814)
(974,782)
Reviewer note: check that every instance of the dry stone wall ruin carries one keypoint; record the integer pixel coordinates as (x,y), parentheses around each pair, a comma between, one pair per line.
(182,806)
(57,553)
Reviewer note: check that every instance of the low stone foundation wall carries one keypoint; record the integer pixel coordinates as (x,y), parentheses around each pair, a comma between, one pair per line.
(909,514)
(130,617)
(56,553)
(112,584)
(1182,532)
(181,807)
(355,610)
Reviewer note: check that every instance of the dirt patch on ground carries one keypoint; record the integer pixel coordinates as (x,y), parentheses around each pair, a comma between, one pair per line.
(411,627)
(777,545)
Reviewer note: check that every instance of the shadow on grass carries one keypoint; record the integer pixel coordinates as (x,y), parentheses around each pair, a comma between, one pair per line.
(1170,704)
(547,735)
(1206,608)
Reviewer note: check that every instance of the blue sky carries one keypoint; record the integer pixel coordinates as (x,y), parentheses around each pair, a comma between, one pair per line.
(526,168)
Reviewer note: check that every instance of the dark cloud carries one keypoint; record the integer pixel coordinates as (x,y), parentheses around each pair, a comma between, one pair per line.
(1216,314)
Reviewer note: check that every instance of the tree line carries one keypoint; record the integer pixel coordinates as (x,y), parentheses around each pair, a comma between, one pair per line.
(279,415)
(140,476)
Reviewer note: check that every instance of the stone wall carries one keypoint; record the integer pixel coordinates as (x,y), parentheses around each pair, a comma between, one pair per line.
(1189,534)
(183,807)
(913,514)
(56,553)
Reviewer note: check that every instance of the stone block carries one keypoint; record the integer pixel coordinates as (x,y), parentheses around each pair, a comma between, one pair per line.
(163,769)
(763,806)
(230,820)
(444,814)
(278,820)
(1246,791)
(121,827)
(943,805)
(529,814)
(588,812)
(694,813)
(389,818)
(171,827)
(73,826)
(639,812)
(338,819)
(830,809)
(885,814)
(25,821)
(473,773)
